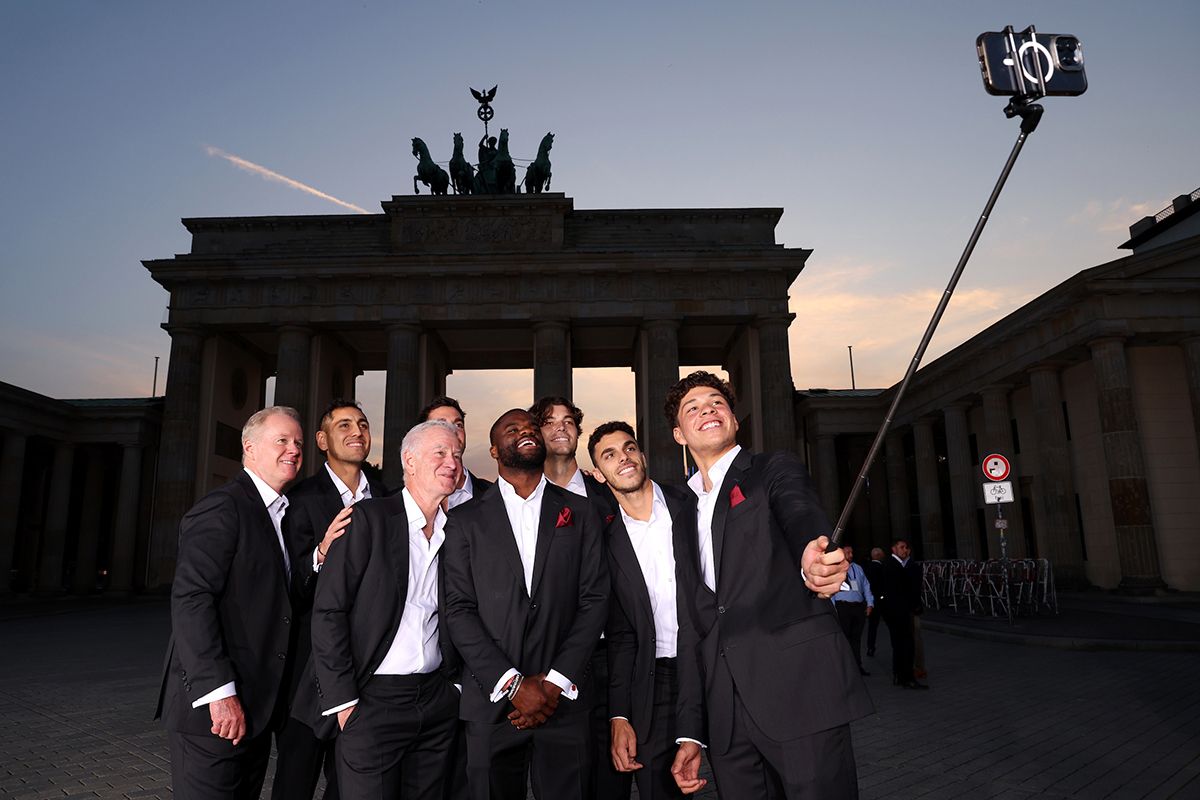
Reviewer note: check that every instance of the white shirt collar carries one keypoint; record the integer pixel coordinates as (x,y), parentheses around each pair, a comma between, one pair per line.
(269,495)
(416,517)
(659,506)
(716,473)
(468,485)
(576,483)
(903,561)
(509,494)
(343,489)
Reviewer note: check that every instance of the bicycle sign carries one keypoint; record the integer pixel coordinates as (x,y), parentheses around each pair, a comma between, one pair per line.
(998,492)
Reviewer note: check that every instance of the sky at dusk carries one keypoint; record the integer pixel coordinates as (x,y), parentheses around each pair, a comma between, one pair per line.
(867,122)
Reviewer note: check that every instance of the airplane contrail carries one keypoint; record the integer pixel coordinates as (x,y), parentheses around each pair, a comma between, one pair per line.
(271,175)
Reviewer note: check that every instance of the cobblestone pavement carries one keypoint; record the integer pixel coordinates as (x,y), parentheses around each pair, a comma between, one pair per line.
(77,691)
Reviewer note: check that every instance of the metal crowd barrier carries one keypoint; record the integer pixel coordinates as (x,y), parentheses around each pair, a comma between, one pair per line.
(997,588)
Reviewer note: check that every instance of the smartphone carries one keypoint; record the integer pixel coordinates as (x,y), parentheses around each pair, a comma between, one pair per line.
(1017,62)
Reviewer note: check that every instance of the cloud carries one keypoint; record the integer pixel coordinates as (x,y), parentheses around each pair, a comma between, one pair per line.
(839,308)
(263,172)
(1114,216)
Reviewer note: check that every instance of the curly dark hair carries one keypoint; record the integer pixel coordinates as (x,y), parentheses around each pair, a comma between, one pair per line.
(617,425)
(334,405)
(542,408)
(676,393)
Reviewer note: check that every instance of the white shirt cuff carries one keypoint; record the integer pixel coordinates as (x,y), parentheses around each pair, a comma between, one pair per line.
(342,707)
(683,739)
(498,693)
(220,693)
(316,564)
(569,690)
(610,719)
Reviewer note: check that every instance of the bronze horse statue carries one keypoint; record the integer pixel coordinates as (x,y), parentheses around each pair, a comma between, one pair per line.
(537,174)
(462,174)
(506,173)
(428,172)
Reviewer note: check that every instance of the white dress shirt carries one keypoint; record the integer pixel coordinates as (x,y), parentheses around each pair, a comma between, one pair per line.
(463,493)
(276,507)
(415,649)
(705,505)
(576,484)
(524,515)
(652,544)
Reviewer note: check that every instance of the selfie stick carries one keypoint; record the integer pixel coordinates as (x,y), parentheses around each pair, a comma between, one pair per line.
(1022,106)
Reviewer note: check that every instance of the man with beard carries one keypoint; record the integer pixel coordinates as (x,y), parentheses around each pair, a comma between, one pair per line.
(319,511)
(643,623)
(561,421)
(765,677)
(380,667)
(526,594)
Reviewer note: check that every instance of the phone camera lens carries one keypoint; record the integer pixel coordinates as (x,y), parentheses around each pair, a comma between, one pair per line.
(1069,53)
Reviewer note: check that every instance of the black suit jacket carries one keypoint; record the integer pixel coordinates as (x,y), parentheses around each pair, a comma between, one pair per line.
(495,624)
(762,630)
(231,611)
(901,587)
(312,505)
(874,572)
(359,600)
(631,632)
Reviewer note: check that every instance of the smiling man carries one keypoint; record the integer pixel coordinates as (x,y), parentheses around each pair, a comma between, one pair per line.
(319,510)
(526,594)
(225,687)
(766,679)
(383,668)
(643,624)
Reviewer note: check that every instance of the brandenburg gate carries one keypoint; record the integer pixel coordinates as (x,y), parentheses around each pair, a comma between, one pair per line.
(435,284)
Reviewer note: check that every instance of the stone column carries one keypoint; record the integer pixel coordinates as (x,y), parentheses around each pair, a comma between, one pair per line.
(997,423)
(964,488)
(176,490)
(125,527)
(827,475)
(1054,487)
(897,480)
(54,538)
(402,401)
(929,494)
(1191,359)
(84,579)
(777,410)
(1133,521)
(658,371)
(292,367)
(551,359)
(12,469)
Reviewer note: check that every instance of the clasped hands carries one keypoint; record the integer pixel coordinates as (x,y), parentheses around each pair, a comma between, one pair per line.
(535,702)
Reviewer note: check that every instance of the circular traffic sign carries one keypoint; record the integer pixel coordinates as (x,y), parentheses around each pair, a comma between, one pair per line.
(995,467)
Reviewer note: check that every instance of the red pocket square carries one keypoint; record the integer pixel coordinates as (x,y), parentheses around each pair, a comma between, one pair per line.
(564,518)
(736,497)
(609,518)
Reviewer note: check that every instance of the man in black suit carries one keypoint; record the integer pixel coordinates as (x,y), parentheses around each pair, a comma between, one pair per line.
(448,409)
(318,512)
(901,599)
(561,422)
(766,678)
(224,687)
(380,665)
(874,570)
(643,623)
(526,595)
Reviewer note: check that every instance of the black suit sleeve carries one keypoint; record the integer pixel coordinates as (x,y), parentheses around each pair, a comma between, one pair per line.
(622,652)
(689,705)
(341,574)
(208,541)
(591,610)
(794,502)
(299,534)
(485,661)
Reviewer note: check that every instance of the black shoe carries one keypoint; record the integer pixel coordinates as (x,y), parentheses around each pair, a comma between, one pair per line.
(863,672)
